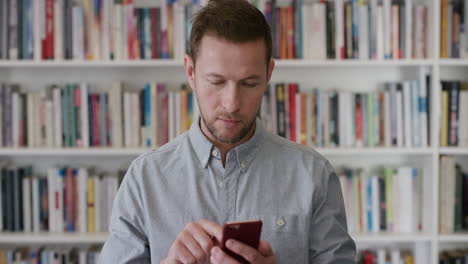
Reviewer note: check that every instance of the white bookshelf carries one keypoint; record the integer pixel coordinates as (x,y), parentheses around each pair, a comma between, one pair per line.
(99,238)
(46,238)
(137,151)
(177,63)
(355,75)
(453,62)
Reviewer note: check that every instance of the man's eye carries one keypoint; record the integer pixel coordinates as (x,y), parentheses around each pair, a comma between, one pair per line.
(217,83)
(250,84)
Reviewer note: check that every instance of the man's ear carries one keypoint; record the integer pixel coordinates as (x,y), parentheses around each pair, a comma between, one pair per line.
(189,68)
(271,66)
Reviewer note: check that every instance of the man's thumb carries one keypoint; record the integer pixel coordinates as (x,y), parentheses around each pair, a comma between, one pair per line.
(265,249)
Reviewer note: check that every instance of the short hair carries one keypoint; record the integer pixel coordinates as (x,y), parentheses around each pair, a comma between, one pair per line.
(236,21)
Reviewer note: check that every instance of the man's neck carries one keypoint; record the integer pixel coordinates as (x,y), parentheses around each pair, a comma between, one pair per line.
(224,147)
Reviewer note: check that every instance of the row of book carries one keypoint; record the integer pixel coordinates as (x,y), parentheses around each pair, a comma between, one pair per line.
(94,30)
(459,256)
(453,197)
(66,200)
(345,29)
(396,115)
(417,255)
(387,199)
(50,255)
(454,114)
(72,115)
(120,30)
(453,29)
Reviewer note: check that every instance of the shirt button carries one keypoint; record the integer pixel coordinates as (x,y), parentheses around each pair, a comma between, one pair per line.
(280,222)
(221,185)
(214,153)
(243,165)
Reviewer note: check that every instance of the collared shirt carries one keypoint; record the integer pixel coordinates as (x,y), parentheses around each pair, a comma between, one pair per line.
(290,187)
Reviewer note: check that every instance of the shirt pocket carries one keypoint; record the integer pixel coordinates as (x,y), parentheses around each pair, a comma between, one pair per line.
(287,235)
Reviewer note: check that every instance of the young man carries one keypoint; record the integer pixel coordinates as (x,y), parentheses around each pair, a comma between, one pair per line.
(173,201)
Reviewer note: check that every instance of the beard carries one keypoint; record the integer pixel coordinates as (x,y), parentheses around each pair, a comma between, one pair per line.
(246,126)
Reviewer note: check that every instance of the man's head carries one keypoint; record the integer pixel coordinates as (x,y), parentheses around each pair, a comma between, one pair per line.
(229,67)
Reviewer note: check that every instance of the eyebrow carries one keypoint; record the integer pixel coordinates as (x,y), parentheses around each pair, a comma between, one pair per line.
(215,75)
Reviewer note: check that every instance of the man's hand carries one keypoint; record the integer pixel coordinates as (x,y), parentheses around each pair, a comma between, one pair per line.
(264,254)
(193,245)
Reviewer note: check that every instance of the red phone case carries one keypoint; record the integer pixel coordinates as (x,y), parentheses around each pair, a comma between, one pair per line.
(247,232)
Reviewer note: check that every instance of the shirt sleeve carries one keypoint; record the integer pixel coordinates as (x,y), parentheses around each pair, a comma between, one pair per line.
(328,234)
(127,242)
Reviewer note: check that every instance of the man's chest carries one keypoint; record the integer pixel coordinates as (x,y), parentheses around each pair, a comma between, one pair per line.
(232,195)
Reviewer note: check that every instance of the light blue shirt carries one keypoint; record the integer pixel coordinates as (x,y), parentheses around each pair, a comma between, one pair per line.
(290,187)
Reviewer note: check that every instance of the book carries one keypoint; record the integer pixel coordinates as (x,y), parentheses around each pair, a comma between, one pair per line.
(382,199)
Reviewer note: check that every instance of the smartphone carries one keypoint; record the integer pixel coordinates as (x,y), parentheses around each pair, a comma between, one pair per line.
(247,232)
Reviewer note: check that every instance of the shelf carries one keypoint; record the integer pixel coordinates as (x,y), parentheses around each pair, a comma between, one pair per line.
(454,238)
(353,63)
(375,151)
(391,238)
(76,63)
(453,62)
(453,151)
(72,151)
(179,63)
(99,238)
(52,238)
(138,151)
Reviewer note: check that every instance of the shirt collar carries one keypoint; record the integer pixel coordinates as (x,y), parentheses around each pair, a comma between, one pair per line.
(245,152)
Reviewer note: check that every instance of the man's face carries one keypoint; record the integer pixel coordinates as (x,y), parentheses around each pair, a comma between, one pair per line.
(229,80)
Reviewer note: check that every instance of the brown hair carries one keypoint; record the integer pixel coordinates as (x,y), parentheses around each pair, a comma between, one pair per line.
(236,21)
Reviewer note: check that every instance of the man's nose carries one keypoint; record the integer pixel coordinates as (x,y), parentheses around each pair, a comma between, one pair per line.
(231,98)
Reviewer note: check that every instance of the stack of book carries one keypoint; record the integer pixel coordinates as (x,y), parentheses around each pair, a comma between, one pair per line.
(395,116)
(387,200)
(135,29)
(66,200)
(454,114)
(453,200)
(453,256)
(347,29)
(94,30)
(71,115)
(52,255)
(381,256)
(393,256)
(453,29)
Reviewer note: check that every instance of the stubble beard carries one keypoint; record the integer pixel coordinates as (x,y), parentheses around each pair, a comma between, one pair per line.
(231,140)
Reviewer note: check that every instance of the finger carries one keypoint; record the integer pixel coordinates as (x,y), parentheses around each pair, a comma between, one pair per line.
(170,261)
(181,253)
(219,256)
(212,228)
(265,249)
(201,237)
(192,246)
(249,253)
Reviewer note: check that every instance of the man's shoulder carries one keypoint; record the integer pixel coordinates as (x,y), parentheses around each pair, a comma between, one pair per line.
(166,152)
(294,151)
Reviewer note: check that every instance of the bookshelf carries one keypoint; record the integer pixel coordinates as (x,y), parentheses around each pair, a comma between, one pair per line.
(125,152)
(52,238)
(349,74)
(177,63)
(97,238)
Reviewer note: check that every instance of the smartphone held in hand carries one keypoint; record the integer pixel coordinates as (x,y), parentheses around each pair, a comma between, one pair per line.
(247,232)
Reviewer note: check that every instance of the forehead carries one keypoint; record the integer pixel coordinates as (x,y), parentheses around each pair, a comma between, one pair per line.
(223,57)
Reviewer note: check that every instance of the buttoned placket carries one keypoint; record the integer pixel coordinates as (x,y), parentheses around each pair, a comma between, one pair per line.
(226,179)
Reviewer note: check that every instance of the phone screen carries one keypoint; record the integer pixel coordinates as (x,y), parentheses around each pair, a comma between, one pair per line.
(247,232)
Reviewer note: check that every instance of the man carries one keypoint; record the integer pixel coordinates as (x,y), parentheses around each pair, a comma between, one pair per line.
(173,201)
